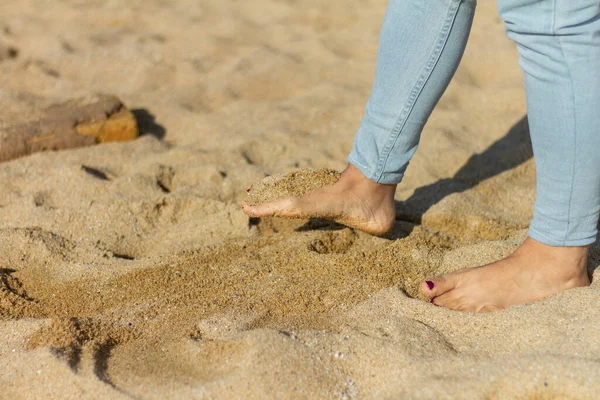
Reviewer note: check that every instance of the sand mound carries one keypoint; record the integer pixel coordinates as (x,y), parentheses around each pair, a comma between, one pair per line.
(296,183)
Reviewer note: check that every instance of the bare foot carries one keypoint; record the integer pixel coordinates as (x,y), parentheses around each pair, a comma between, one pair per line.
(534,271)
(354,201)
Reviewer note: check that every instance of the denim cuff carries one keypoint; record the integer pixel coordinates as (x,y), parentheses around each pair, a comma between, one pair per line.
(581,232)
(387,178)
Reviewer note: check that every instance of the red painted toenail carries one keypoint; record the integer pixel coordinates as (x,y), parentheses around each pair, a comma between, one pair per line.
(430,285)
(432,301)
(247,190)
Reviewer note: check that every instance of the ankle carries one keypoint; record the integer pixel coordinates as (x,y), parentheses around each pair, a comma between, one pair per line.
(353,178)
(570,258)
(560,252)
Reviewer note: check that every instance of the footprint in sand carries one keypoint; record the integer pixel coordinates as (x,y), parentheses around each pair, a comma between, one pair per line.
(8,52)
(337,242)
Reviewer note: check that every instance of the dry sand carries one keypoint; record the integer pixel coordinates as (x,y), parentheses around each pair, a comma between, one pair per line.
(129,270)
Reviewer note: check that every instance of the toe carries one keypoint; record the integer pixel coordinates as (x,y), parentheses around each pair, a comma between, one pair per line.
(451,301)
(437,286)
(285,207)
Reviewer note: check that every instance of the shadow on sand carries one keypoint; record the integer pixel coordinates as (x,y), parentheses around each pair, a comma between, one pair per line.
(508,152)
(147,123)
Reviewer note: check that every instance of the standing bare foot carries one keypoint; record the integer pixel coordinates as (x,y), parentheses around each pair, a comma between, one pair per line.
(353,200)
(534,271)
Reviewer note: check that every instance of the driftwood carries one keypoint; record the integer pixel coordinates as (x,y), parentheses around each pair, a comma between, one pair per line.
(75,123)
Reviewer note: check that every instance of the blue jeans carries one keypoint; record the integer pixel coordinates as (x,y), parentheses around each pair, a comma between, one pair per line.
(420,46)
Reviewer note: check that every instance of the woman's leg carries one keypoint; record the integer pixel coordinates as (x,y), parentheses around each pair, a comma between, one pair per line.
(420,46)
(559,46)
(559,50)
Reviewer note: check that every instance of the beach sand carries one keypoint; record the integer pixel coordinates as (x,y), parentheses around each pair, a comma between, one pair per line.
(128,270)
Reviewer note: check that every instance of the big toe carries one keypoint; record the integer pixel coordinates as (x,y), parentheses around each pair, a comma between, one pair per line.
(436,286)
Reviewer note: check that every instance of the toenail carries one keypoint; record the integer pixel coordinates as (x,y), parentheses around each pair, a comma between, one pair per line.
(432,301)
(430,285)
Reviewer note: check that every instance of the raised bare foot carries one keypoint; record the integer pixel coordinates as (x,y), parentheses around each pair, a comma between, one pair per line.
(534,271)
(353,200)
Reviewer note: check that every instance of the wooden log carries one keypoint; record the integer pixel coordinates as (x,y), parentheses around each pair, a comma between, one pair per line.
(75,123)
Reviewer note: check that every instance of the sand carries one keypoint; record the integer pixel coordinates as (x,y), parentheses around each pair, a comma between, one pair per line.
(128,270)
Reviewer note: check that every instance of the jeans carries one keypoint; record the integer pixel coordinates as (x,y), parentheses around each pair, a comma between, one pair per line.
(420,47)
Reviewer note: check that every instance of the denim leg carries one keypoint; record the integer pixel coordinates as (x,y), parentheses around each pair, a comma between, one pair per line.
(559,47)
(420,46)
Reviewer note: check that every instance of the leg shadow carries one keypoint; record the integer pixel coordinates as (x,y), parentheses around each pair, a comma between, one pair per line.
(508,152)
